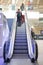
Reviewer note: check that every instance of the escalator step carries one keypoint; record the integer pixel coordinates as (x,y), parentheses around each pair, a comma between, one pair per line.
(20,34)
(20,47)
(21,37)
(21,31)
(21,56)
(21,28)
(20,43)
(20,51)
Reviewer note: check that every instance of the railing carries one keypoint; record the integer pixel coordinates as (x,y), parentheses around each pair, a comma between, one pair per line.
(28,31)
(38,37)
(12,39)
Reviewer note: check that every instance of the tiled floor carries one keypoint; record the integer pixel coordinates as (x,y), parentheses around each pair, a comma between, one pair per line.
(40,51)
(21,62)
(27,61)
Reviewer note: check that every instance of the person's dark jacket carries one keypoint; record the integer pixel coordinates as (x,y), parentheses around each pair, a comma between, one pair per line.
(19,16)
(32,34)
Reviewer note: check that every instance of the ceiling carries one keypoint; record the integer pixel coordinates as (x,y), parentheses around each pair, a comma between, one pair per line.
(5,2)
(37,4)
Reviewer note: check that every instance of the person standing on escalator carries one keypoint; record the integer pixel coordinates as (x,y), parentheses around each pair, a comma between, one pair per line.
(22,7)
(19,14)
(32,33)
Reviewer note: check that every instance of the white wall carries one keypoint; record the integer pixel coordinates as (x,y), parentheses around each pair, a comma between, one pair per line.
(32,15)
(41,16)
(9,14)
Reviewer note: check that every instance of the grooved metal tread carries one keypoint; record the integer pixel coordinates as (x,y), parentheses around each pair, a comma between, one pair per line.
(20,44)
(20,56)
(20,41)
(20,51)
(20,47)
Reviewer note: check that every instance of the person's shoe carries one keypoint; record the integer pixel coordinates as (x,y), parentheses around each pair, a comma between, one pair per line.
(33,60)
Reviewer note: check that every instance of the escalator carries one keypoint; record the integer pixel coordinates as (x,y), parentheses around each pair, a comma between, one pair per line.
(20,44)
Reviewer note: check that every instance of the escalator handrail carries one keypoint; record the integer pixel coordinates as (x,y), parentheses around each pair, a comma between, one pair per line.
(28,31)
(12,39)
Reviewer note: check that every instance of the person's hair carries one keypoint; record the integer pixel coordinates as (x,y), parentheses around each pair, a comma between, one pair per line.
(18,9)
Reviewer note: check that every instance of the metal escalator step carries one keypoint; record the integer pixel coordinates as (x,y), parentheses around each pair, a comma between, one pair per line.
(21,30)
(20,47)
(22,27)
(20,43)
(20,56)
(21,38)
(20,33)
(20,51)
